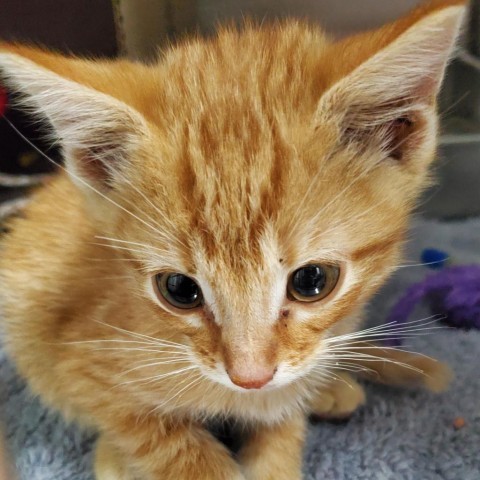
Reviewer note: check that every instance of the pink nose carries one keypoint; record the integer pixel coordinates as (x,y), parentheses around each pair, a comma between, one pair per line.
(254,379)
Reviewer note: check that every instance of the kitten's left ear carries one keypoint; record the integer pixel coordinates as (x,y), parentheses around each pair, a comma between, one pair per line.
(391,95)
(97,132)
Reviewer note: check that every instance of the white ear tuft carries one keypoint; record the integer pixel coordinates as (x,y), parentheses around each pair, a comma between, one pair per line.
(97,132)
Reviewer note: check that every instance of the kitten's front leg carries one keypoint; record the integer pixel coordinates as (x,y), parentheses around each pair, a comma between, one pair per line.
(339,399)
(153,449)
(275,452)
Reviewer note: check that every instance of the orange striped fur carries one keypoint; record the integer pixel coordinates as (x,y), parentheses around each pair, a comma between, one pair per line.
(235,160)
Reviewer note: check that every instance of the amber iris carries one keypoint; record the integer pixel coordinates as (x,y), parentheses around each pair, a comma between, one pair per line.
(312,283)
(179,290)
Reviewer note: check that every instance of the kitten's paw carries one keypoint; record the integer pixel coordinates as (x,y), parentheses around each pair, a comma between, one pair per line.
(339,399)
(108,463)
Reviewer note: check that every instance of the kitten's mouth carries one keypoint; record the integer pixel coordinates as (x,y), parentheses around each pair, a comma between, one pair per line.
(253,391)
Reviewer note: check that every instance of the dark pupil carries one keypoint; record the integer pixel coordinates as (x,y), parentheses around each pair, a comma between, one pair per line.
(182,289)
(309,281)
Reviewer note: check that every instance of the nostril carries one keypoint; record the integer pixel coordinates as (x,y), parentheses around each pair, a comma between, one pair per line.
(252,380)
(249,384)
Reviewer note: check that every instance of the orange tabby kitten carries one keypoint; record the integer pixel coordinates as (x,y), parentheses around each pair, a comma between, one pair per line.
(224,216)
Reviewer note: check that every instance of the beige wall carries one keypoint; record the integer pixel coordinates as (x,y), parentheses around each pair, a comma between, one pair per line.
(147,23)
(338,16)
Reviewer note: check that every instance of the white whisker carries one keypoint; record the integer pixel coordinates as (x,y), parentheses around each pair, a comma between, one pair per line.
(373,358)
(399,334)
(97,259)
(155,207)
(426,264)
(83,182)
(137,244)
(146,350)
(195,380)
(133,346)
(357,178)
(349,347)
(388,330)
(140,335)
(156,378)
(127,249)
(136,342)
(156,364)
(337,364)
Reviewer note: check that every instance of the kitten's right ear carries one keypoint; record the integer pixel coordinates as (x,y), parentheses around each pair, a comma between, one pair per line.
(96,132)
(386,81)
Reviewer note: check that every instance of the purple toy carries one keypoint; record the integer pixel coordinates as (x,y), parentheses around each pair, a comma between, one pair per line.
(453,294)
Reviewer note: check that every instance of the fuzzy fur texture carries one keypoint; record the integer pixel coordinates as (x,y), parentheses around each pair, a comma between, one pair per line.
(236,161)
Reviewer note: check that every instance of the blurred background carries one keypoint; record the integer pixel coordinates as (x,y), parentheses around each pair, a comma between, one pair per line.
(138,28)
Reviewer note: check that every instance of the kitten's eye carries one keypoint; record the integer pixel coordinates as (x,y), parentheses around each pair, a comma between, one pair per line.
(313,282)
(179,290)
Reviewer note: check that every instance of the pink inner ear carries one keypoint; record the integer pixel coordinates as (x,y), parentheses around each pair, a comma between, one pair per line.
(94,164)
(393,137)
(398,134)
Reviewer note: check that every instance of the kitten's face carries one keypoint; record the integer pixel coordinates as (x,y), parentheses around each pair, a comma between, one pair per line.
(241,226)
(245,195)
(264,181)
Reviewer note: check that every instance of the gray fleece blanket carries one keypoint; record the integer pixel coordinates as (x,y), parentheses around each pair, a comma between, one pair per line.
(398,435)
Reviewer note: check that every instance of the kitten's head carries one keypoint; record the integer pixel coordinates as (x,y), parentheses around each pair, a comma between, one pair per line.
(260,180)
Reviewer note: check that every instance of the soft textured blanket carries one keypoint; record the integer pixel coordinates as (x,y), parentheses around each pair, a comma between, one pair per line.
(397,435)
